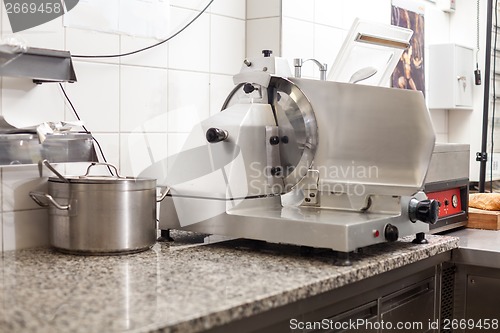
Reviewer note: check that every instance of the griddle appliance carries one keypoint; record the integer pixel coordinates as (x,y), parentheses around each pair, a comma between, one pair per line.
(447,182)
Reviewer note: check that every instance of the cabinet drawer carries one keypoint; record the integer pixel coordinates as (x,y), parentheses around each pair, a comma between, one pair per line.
(365,313)
(483,298)
(412,307)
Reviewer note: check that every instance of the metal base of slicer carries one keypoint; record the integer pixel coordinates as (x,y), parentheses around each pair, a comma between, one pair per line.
(265,219)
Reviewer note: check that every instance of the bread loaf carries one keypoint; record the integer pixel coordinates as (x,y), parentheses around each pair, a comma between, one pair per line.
(487,201)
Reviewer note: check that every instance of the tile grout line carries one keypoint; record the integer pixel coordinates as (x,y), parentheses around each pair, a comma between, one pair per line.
(120,89)
(209,61)
(167,92)
(1,209)
(2,247)
(1,175)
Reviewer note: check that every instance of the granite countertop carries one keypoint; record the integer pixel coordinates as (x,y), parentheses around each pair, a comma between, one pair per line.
(185,286)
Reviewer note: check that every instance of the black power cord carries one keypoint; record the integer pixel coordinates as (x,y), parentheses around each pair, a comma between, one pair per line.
(123,55)
(477,71)
(150,46)
(84,128)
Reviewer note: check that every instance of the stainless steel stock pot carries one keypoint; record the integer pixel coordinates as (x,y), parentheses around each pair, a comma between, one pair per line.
(100,215)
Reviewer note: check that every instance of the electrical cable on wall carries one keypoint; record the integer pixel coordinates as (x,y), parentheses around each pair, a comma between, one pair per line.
(150,46)
(122,55)
(84,128)
(477,72)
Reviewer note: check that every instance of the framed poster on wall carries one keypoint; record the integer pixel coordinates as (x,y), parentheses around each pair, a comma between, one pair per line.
(410,70)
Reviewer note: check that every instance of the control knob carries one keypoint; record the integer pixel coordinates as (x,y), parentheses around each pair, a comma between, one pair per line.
(267,53)
(424,210)
(391,233)
(214,135)
(248,88)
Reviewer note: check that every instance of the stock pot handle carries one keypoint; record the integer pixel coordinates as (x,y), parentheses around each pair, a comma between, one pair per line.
(36,198)
(163,195)
(51,168)
(93,164)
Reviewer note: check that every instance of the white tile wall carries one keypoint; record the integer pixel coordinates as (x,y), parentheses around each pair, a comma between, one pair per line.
(299,9)
(49,40)
(440,123)
(442,138)
(327,43)
(227,48)
(464,24)
(143,98)
(185,110)
(110,143)
(231,8)
(176,142)
(25,103)
(125,102)
(141,150)
(155,57)
(263,8)
(76,169)
(193,55)
(329,12)
(440,120)
(96,101)
(48,35)
(220,87)
(87,42)
(189,4)
(111,146)
(1,217)
(298,42)
(263,34)
(1,22)
(150,101)
(437,26)
(376,11)
(320,35)
(437,31)
(1,234)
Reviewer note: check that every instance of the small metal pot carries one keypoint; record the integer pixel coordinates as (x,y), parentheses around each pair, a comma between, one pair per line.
(100,215)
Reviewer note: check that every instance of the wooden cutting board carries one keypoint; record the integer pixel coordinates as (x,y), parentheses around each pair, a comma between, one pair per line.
(483,219)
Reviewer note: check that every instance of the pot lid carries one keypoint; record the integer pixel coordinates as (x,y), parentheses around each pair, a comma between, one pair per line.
(100,180)
(95,179)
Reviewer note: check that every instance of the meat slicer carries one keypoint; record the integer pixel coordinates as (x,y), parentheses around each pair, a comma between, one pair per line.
(306,162)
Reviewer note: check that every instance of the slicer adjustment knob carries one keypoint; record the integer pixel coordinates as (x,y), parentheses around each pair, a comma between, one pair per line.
(215,135)
(391,233)
(267,53)
(248,88)
(424,210)
(274,140)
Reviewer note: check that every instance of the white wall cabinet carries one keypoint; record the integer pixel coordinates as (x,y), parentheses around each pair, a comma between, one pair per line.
(451,70)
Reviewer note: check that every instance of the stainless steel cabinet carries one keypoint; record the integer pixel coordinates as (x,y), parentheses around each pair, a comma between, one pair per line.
(412,306)
(477,299)
(366,312)
(408,296)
